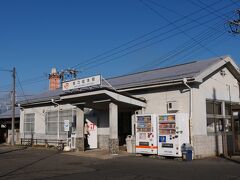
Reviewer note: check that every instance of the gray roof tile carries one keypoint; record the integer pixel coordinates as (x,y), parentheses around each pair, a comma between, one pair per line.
(8,114)
(188,70)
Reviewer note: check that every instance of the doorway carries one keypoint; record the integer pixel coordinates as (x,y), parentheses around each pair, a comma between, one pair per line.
(124,126)
(236,134)
(3,133)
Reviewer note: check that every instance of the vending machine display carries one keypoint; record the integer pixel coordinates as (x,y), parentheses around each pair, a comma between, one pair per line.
(146,134)
(173,131)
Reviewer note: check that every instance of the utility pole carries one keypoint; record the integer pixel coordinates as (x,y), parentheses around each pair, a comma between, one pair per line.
(68,74)
(235,24)
(13,104)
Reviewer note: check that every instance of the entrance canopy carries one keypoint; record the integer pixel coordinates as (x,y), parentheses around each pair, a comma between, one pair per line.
(99,99)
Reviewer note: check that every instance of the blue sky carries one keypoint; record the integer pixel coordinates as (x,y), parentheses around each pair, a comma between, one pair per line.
(40,34)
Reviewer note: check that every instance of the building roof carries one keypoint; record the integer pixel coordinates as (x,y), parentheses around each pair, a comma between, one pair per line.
(8,114)
(187,70)
(194,71)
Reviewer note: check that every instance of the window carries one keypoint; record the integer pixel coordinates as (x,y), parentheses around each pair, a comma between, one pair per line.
(64,115)
(215,117)
(29,122)
(214,126)
(227,109)
(210,107)
(214,107)
(52,121)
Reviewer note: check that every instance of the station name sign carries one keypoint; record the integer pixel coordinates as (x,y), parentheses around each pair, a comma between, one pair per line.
(81,83)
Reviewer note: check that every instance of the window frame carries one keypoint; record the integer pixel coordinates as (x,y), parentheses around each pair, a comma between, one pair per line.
(29,121)
(71,113)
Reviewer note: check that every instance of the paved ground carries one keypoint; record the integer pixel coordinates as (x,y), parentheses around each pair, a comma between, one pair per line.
(49,164)
(6,148)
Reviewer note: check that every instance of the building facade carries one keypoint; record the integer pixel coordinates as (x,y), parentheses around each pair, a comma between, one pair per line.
(206,90)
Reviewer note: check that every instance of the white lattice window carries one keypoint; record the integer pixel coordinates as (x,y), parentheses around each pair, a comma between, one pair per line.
(29,123)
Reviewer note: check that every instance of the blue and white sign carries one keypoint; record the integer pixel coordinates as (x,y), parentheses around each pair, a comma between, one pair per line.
(66,125)
(162,138)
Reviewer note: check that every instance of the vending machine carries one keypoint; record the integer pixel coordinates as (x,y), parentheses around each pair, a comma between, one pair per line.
(146,134)
(173,131)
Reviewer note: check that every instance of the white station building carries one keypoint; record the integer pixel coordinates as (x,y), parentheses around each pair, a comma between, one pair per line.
(207,90)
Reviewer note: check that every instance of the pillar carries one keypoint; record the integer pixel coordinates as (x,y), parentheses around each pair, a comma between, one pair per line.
(133,123)
(113,124)
(79,129)
(224,135)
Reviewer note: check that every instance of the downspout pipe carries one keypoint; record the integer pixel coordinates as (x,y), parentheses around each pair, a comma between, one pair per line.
(58,120)
(190,109)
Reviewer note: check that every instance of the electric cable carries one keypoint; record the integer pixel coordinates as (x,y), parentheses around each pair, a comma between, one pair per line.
(100,63)
(142,36)
(179,29)
(209,9)
(187,46)
(135,50)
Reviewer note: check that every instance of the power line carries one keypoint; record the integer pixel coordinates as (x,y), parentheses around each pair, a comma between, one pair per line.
(142,36)
(209,9)
(235,24)
(179,14)
(180,30)
(138,49)
(235,3)
(196,49)
(27,81)
(19,82)
(183,48)
(100,62)
(138,38)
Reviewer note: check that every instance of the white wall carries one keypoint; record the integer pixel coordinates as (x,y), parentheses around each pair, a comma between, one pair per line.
(102,120)
(216,87)
(39,128)
(157,99)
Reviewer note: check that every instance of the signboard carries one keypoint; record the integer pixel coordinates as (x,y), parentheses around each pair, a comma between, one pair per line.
(80,83)
(162,138)
(92,128)
(66,125)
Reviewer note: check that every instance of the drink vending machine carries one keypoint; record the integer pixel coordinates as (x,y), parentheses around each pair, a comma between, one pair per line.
(173,131)
(146,134)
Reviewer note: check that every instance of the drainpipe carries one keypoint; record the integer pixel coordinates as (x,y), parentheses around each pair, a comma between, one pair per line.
(58,105)
(190,109)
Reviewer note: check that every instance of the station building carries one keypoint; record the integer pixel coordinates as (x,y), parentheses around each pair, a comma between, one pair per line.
(208,90)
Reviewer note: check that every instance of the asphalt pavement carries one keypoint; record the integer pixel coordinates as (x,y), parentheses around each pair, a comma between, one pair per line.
(32,163)
(6,148)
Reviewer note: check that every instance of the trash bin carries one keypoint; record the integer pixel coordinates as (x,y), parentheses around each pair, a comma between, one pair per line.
(187,151)
(130,142)
(133,141)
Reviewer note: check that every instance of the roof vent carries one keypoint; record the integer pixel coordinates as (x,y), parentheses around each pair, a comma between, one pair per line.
(223,73)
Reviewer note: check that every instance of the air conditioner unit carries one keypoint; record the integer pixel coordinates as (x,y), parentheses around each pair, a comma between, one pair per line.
(172,106)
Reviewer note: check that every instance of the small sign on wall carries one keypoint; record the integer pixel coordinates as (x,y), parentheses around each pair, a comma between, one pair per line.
(66,125)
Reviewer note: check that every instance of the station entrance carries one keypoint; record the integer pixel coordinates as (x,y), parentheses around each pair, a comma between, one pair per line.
(113,113)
